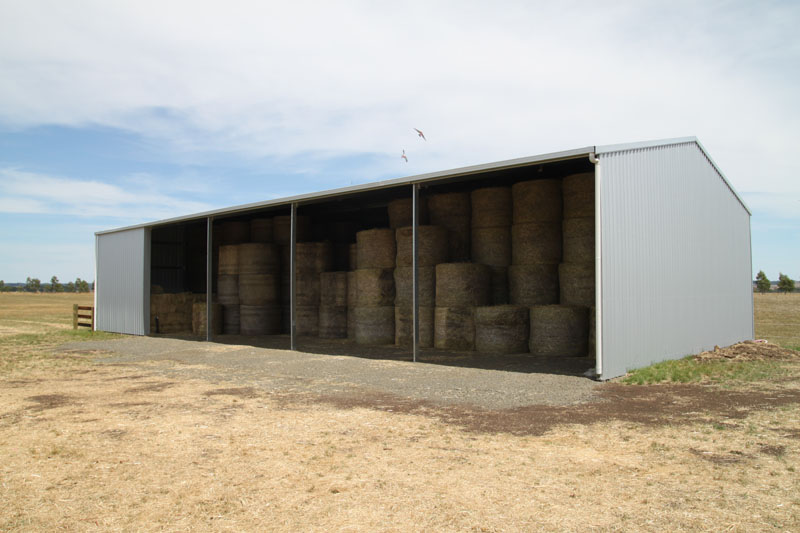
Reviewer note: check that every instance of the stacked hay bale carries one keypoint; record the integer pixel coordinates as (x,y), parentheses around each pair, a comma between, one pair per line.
(311,259)
(502,329)
(491,236)
(352,303)
(452,211)
(576,272)
(282,229)
(460,287)
(199,318)
(333,305)
(432,250)
(259,289)
(228,288)
(401,213)
(373,315)
(559,330)
(234,232)
(173,311)
(535,242)
(344,237)
(261,230)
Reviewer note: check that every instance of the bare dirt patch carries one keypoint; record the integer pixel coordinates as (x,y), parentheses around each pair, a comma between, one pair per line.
(241,392)
(50,401)
(750,351)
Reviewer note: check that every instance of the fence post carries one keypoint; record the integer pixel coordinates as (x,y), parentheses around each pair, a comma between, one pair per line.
(74,316)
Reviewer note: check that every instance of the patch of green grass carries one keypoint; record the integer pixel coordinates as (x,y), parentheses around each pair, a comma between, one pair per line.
(691,370)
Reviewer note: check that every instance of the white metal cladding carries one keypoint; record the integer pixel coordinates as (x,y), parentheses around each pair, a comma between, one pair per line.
(123,282)
(676,265)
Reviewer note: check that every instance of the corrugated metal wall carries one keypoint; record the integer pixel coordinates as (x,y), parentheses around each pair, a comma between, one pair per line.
(676,266)
(123,282)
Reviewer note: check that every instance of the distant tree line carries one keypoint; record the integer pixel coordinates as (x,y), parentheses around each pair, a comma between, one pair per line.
(763,284)
(36,285)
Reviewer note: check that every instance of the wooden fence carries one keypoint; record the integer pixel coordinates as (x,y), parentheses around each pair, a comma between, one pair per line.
(81,314)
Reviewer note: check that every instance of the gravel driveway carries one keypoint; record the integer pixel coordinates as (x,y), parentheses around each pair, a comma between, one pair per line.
(490,382)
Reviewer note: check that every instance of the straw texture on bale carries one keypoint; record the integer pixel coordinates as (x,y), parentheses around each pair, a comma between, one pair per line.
(499,287)
(576,282)
(432,247)
(592,350)
(314,257)
(400,213)
(258,258)
(351,323)
(454,328)
(404,326)
(333,288)
(375,287)
(463,285)
(537,201)
(376,248)
(173,310)
(199,321)
(259,319)
(491,207)
(452,211)
(404,286)
(228,289)
(578,240)
(307,320)
(533,284)
(259,289)
(229,259)
(352,289)
(235,232)
(261,230)
(332,321)
(502,329)
(579,195)
(282,229)
(374,325)
(492,245)
(230,319)
(536,242)
(559,330)
(353,252)
(307,290)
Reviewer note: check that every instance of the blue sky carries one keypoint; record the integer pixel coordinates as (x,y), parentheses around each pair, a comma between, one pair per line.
(117,113)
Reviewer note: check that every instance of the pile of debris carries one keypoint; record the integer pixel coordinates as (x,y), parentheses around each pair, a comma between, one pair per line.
(749,351)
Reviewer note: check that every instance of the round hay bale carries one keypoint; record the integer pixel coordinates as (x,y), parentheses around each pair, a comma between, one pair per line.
(404,326)
(492,245)
(259,258)
(375,287)
(502,329)
(353,262)
(533,284)
(536,242)
(373,325)
(463,285)
(234,232)
(499,285)
(592,349)
(559,330)
(352,289)
(259,289)
(401,214)
(229,259)
(453,211)
(449,203)
(579,195)
(307,289)
(491,207)
(199,319)
(351,323)
(578,240)
(228,289)
(376,248)
(307,317)
(314,257)
(432,246)
(454,328)
(333,288)
(260,319)
(576,282)
(332,321)
(230,319)
(261,230)
(282,229)
(403,281)
(537,201)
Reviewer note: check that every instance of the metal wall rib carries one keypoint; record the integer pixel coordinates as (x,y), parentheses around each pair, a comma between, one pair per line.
(123,282)
(676,258)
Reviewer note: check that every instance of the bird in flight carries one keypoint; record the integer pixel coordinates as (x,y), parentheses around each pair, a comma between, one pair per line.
(404,156)
(420,134)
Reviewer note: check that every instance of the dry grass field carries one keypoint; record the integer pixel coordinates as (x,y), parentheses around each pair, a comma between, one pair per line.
(93,447)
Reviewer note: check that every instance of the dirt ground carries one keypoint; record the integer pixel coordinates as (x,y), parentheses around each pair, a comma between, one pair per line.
(91,441)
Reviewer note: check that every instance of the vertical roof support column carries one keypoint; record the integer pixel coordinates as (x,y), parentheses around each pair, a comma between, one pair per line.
(415,264)
(598,266)
(209,281)
(293,279)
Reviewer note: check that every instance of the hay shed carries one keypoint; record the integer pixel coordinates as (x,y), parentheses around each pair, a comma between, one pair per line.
(650,238)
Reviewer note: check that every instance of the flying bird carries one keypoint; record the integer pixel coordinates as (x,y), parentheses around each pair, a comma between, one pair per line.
(404,156)
(420,134)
